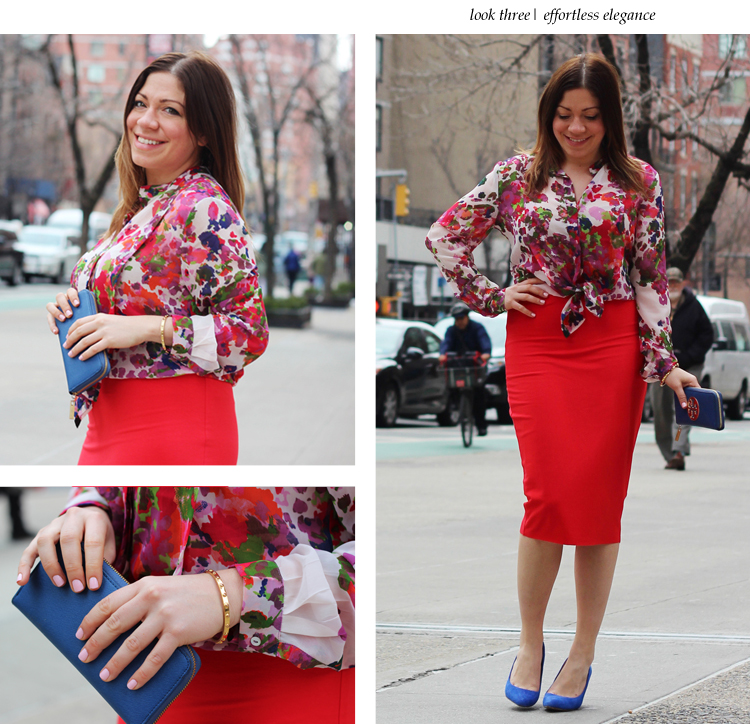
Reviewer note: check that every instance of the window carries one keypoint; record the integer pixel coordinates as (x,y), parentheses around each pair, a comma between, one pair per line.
(96,73)
(740,46)
(413,338)
(728,330)
(378,128)
(379,58)
(433,343)
(734,91)
(97,49)
(743,339)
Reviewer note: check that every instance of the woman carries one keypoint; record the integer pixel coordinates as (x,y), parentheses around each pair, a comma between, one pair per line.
(588,326)
(286,559)
(175,280)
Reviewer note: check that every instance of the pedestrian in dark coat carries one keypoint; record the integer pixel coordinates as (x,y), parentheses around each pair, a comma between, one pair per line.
(692,337)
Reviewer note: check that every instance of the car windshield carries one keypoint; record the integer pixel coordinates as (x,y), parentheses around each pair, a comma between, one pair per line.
(388,340)
(54,241)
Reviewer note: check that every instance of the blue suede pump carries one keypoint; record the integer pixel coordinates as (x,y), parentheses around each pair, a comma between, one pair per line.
(523,697)
(554,702)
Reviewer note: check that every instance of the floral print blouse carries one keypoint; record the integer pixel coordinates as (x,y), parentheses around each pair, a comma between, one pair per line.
(184,252)
(293,548)
(609,245)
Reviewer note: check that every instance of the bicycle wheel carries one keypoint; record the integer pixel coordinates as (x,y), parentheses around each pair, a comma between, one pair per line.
(467,417)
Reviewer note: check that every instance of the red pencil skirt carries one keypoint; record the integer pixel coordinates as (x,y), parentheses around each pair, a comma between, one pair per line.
(576,404)
(244,688)
(185,420)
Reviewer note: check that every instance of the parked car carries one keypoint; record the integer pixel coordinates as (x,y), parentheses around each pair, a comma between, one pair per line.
(11,258)
(408,379)
(495,386)
(73,219)
(727,365)
(48,252)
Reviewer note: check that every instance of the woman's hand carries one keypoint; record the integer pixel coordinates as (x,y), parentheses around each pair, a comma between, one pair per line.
(90,525)
(99,332)
(679,379)
(61,308)
(528,291)
(175,609)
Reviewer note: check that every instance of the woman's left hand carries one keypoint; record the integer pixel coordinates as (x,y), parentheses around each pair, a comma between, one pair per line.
(677,380)
(175,609)
(93,334)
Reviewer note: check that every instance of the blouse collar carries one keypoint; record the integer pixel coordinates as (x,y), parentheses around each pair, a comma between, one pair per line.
(146,193)
(593,169)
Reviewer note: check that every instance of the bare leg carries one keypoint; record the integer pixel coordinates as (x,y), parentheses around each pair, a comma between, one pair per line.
(594,571)
(538,563)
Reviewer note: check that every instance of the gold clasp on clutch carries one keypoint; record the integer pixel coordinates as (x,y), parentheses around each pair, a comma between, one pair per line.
(72,407)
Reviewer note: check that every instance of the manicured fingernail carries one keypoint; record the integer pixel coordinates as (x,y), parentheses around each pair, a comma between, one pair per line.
(684,404)
(546,294)
(132,684)
(104,674)
(83,655)
(93,583)
(61,317)
(20,576)
(79,634)
(68,313)
(77,586)
(58,581)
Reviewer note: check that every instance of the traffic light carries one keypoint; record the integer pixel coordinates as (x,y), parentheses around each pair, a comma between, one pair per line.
(402,199)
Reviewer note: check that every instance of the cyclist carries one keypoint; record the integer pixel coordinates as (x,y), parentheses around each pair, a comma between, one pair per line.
(463,337)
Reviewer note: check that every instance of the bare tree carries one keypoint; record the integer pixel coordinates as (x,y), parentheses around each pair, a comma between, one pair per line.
(327,113)
(267,106)
(71,102)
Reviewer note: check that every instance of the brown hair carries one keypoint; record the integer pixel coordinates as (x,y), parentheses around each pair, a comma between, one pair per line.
(210,115)
(598,76)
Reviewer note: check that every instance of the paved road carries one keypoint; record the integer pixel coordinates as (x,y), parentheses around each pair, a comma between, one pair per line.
(295,405)
(678,621)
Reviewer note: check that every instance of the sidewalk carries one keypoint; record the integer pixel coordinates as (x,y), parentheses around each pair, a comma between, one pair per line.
(677,624)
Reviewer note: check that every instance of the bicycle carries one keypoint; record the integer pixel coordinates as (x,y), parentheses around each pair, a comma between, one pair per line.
(465,374)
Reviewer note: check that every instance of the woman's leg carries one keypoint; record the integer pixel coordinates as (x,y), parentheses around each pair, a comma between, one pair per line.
(538,563)
(594,571)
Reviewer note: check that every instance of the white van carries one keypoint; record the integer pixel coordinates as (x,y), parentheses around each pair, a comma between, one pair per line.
(727,365)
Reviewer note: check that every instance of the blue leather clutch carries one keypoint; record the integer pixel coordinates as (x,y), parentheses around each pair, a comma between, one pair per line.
(82,374)
(58,612)
(705,408)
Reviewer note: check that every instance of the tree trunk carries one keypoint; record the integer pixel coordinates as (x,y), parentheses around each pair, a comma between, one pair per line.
(692,235)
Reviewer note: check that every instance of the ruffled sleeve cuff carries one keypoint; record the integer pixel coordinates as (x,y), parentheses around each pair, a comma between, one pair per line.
(194,340)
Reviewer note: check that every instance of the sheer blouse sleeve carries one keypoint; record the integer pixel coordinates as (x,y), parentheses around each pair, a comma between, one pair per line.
(453,238)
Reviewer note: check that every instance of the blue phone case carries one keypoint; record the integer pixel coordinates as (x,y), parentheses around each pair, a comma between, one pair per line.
(82,374)
(705,409)
(58,612)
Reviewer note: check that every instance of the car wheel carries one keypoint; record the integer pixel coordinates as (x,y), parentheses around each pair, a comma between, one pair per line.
(60,276)
(736,407)
(387,412)
(450,416)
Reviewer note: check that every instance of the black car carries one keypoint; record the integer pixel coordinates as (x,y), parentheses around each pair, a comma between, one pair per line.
(409,380)
(11,260)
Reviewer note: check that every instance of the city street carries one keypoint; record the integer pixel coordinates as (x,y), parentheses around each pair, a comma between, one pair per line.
(295,405)
(447,610)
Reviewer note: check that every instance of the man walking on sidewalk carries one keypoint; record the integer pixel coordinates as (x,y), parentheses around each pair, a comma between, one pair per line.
(692,337)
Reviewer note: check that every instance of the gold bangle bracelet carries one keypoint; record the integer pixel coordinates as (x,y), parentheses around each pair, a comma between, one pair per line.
(163,324)
(224,603)
(664,379)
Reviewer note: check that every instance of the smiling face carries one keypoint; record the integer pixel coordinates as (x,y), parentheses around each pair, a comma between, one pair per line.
(160,140)
(578,127)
